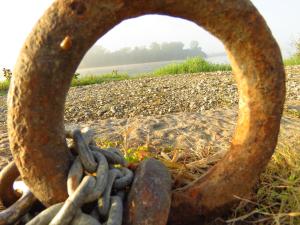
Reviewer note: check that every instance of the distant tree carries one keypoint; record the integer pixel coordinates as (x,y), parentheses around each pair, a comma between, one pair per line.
(298,47)
(194,44)
(155,46)
(98,56)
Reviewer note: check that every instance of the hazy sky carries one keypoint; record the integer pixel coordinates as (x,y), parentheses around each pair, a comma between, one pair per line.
(17,18)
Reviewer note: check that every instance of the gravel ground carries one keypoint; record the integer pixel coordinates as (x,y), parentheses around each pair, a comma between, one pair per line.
(151,96)
(181,111)
(158,96)
(163,95)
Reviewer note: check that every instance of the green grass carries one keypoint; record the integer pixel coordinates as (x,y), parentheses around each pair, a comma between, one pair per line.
(292,61)
(87,80)
(131,154)
(4,85)
(198,64)
(277,199)
(191,65)
(291,112)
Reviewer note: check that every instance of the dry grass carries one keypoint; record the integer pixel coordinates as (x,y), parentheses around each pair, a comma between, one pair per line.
(277,196)
(276,199)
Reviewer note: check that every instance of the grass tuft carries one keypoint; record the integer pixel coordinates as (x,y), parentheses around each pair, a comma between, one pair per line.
(277,198)
(293,61)
(191,65)
(87,80)
(4,85)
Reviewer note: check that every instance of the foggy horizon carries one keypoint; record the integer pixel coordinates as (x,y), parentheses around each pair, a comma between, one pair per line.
(282,18)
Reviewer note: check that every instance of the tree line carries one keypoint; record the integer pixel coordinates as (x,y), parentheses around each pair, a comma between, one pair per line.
(297,47)
(98,56)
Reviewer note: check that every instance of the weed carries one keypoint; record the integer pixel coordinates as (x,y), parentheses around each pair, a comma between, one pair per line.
(4,85)
(103,143)
(76,76)
(292,112)
(277,199)
(135,155)
(7,73)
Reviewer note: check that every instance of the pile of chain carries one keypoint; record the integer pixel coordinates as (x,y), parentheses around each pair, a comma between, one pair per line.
(96,185)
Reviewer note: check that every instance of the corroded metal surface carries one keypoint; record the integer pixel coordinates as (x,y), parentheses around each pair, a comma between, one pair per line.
(88,187)
(149,199)
(7,178)
(12,214)
(69,28)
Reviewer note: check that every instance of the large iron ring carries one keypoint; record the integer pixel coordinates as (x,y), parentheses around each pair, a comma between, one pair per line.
(69,28)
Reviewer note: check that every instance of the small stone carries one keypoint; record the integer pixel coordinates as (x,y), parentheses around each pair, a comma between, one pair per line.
(113,109)
(193,105)
(149,199)
(295,108)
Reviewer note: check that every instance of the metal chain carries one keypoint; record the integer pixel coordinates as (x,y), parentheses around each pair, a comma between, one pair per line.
(8,196)
(97,178)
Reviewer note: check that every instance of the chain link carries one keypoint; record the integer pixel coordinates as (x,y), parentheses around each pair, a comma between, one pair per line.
(46,216)
(124,180)
(93,178)
(85,154)
(104,201)
(8,196)
(116,211)
(18,209)
(75,201)
(112,156)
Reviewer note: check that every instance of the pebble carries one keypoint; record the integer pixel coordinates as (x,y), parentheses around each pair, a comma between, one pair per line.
(157,96)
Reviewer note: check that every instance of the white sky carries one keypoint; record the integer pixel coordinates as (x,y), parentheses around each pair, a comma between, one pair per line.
(17,18)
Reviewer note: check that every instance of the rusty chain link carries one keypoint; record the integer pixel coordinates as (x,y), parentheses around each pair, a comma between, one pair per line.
(94,181)
(16,206)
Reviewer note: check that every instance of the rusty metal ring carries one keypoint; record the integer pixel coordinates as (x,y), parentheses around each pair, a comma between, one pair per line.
(69,28)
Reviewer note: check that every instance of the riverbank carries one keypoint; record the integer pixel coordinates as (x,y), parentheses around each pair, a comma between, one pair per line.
(187,122)
(191,65)
(162,101)
(190,93)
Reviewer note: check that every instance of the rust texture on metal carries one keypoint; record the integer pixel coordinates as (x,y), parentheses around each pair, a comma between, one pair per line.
(7,178)
(149,199)
(44,70)
(12,214)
